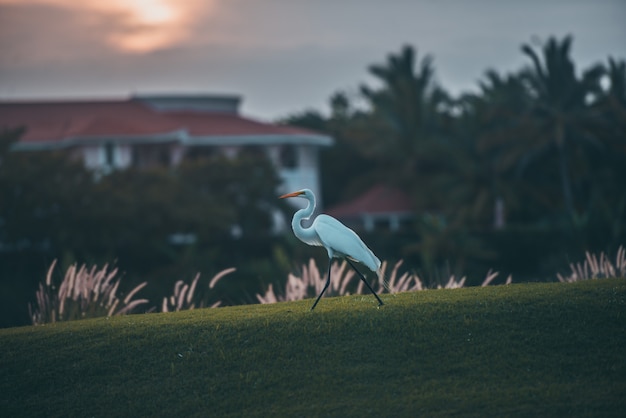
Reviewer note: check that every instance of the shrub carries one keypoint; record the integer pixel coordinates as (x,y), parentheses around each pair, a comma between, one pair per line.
(83,293)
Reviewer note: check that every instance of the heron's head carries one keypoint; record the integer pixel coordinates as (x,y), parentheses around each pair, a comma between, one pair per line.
(300,193)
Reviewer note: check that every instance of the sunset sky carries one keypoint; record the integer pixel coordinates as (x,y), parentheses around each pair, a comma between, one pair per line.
(282,56)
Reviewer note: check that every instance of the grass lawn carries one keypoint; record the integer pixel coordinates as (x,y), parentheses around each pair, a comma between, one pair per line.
(517,350)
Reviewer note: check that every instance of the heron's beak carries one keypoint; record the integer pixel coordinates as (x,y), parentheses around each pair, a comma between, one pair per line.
(293,194)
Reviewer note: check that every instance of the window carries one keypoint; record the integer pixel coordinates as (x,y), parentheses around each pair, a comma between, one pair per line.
(109,156)
(201,153)
(288,156)
(135,156)
(164,156)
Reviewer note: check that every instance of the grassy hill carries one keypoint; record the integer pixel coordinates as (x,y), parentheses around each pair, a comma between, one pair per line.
(517,350)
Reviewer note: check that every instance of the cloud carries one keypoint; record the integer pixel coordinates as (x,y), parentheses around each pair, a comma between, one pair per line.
(34,35)
(66,27)
(281,55)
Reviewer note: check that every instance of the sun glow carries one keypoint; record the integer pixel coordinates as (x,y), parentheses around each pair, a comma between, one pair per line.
(152,11)
(138,26)
(148,25)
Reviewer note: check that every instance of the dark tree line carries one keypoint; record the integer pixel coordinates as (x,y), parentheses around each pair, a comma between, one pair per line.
(160,224)
(519,176)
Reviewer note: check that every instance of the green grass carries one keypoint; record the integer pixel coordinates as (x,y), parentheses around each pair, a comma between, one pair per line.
(518,350)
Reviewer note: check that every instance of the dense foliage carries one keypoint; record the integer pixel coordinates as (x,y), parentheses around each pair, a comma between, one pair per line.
(161,224)
(521,176)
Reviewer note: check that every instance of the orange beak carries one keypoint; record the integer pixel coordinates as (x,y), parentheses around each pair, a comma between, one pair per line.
(293,194)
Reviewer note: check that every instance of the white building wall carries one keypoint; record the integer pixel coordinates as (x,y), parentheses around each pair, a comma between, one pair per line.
(273,153)
(230,152)
(308,157)
(122,156)
(177,154)
(304,176)
(93,157)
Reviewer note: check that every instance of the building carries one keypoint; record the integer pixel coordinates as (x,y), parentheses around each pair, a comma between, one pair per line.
(163,130)
(380,207)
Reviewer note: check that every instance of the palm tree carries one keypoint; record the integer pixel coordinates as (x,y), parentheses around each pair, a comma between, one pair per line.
(561,113)
(487,122)
(609,196)
(616,73)
(613,104)
(406,109)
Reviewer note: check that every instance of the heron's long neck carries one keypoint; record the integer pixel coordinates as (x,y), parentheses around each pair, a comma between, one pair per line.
(306,235)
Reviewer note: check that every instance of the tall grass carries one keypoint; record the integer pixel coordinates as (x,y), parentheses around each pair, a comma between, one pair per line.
(89,293)
(345,282)
(596,267)
(83,293)
(92,292)
(184,297)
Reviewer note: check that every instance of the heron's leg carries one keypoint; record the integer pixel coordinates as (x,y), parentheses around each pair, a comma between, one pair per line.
(330,261)
(380,302)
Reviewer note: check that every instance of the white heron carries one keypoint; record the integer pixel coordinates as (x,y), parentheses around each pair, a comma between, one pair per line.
(339,240)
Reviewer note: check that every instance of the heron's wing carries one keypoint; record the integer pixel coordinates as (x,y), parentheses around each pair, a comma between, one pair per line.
(343,241)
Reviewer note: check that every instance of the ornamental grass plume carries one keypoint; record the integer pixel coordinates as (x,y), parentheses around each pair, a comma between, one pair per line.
(184,297)
(310,282)
(409,282)
(83,293)
(596,267)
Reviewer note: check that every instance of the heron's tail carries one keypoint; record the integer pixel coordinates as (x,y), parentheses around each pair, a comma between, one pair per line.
(380,273)
(383,280)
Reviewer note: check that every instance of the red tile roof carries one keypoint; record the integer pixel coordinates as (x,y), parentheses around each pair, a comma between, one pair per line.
(216,123)
(57,121)
(379,200)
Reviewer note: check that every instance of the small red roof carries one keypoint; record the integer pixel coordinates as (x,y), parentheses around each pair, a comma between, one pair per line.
(379,200)
(57,121)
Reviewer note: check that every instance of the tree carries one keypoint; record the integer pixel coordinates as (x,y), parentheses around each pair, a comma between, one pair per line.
(608,197)
(52,207)
(41,195)
(487,124)
(612,104)
(561,115)
(406,116)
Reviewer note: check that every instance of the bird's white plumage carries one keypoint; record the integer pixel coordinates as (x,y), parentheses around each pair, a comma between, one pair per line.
(343,241)
(326,231)
(338,239)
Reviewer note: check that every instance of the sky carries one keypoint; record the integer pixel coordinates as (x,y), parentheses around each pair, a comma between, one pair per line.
(281,56)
